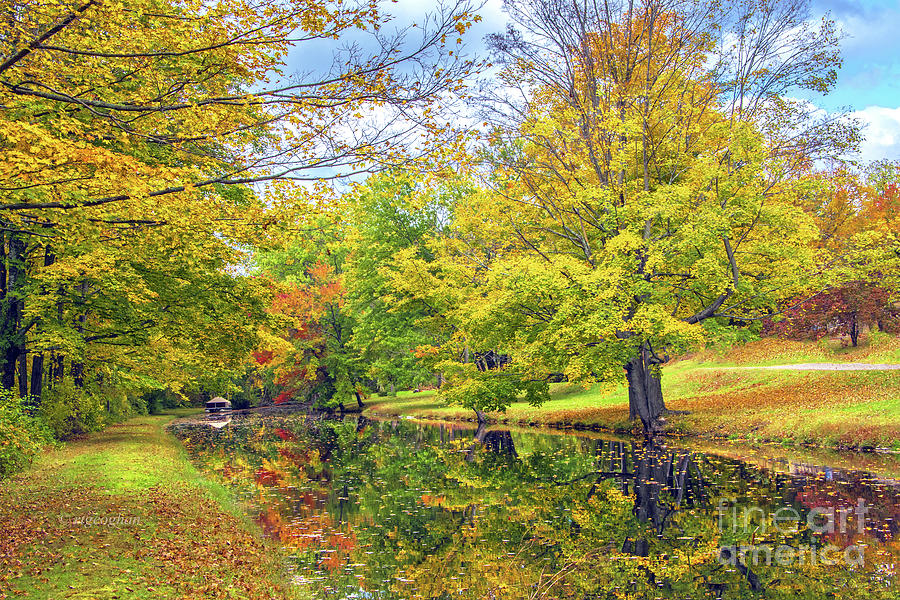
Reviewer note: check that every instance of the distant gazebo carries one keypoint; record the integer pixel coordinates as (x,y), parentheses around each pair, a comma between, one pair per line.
(218,404)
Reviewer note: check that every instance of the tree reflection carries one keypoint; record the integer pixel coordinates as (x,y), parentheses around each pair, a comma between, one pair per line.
(396,509)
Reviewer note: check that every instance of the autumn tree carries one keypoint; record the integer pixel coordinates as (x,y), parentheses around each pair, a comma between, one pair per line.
(636,187)
(345,335)
(130,137)
(856,214)
(307,347)
(105,105)
(391,213)
(840,310)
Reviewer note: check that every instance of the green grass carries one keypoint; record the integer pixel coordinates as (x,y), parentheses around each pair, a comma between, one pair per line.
(822,408)
(178,536)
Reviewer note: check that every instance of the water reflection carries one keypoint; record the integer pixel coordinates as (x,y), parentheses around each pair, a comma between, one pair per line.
(217,421)
(400,509)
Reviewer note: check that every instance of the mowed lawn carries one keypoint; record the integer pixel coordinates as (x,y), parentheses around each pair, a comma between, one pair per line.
(823,408)
(123,514)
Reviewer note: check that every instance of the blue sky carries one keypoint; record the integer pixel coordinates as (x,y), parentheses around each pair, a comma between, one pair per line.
(868,83)
(870,75)
(869,80)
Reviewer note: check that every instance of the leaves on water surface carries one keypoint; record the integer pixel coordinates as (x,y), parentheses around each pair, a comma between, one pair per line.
(413,511)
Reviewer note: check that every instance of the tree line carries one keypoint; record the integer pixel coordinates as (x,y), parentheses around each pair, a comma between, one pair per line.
(625,178)
(642,182)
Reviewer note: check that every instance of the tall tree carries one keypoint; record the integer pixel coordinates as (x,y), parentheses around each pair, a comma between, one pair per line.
(391,213)
(633,193)
(128,138)
(309,352)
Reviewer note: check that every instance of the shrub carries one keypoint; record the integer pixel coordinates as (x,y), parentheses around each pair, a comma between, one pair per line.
(22,435)
(69,410)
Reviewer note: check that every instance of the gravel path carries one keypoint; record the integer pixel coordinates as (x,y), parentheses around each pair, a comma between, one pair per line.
(829,367)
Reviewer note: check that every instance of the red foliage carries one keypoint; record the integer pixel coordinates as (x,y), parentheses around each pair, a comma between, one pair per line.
(284,396)
(263,357)
(285,434)
(264,476)
(838,311)
(885,205)
(316,531)
(298,458)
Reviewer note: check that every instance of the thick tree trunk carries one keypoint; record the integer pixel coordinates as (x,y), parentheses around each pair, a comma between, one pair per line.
(479,438)
(37,376)
(359,401)
(500,442)
(645,399)
(480,417)
(10,358)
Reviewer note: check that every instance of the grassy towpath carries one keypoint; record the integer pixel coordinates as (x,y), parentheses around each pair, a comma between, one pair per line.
(123,514)
(806,400)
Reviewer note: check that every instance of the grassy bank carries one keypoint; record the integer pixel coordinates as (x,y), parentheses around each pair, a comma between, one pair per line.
(823,408)
(123,514)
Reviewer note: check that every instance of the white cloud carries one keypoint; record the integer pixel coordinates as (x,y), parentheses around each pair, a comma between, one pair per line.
(882,132)
(862,35)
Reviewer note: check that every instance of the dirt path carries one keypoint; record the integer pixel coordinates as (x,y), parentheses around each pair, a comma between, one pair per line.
(825,367)
(123,514)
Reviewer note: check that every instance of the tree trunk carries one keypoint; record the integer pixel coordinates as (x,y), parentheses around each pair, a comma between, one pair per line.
(78,373)
(359,401)
(37,360)
(854,330)
(645,399)
(479,437)
(57,367)
(77,367)
(12,309)
(37,376)
(500,442)
(480,417)
(23,373)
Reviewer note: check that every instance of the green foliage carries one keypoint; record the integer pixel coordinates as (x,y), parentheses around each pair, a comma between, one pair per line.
(337,327)
(70,410)
(470,387)
(157,401)
(392,213)
(22,435)
(722,335)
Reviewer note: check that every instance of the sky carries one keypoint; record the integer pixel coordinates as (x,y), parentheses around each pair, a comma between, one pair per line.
(868,83)
(869,80)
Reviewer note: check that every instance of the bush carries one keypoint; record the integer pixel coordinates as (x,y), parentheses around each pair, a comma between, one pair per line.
(69,410)
(22,435)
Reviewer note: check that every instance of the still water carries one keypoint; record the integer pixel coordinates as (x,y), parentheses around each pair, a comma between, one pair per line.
(400,509)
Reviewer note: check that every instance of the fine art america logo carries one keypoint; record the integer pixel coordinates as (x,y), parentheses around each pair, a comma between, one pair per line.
(755,521)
